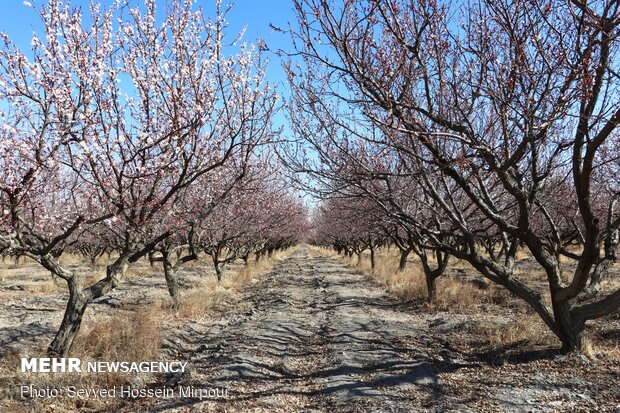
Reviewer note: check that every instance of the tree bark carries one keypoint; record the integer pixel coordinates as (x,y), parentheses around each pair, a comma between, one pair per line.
(216,265)
(404,254)
(372,257)
(570,330)
(171,281)
(431,286)
(431,274)
(71,322)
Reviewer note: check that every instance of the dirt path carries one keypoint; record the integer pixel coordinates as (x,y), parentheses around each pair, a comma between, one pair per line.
(315,336)
(319,337)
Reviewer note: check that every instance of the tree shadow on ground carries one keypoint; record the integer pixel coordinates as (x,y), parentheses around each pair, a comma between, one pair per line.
(520,352)
(383,362)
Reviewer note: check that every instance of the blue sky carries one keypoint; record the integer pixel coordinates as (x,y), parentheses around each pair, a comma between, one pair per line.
(19,21)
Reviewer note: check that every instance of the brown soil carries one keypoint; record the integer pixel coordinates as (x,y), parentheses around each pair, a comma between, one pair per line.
(314,335)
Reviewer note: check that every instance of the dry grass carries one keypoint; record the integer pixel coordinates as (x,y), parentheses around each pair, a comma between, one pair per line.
(91,277)
(453,293)
(602,349)
(72,259)
(202,299)
(456,295)
(256,269)
(407,285)
(28,281)
(11,263)
(522,254)
(527,328)
(208,296)
(142,271)
(124,336)
(46,287)
(16,272)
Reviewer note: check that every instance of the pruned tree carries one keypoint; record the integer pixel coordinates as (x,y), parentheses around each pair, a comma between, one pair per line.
(494,116)
(111,123)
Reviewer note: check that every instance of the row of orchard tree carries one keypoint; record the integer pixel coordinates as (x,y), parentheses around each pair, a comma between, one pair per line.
(467,131)
(139,132)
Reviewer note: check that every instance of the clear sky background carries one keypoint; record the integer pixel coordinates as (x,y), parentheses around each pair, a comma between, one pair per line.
(19,22)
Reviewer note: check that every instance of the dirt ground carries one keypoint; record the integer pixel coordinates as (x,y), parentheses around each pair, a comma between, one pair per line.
(313,335)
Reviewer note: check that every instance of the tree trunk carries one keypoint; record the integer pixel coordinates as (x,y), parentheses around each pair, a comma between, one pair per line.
(218,272)
(404,254)
(569,330)
(431,286)
(216,265)
(152,259)
(71,321)
(372,257)
(79,297)
(171,281)
(431,274)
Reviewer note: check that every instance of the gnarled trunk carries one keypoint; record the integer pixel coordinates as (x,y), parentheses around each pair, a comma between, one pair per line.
(216,264)
(569,330)
(404,254)
(79,298)
(71,322)
(171,281)
(431,274)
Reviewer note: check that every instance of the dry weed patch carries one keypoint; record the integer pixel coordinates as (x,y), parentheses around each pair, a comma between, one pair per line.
(203,299)
(526,328)
(255,268)
(209,296)
(407,285)
(456,295)
(142,271)
(46,287)
(602,349)
(124,336)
